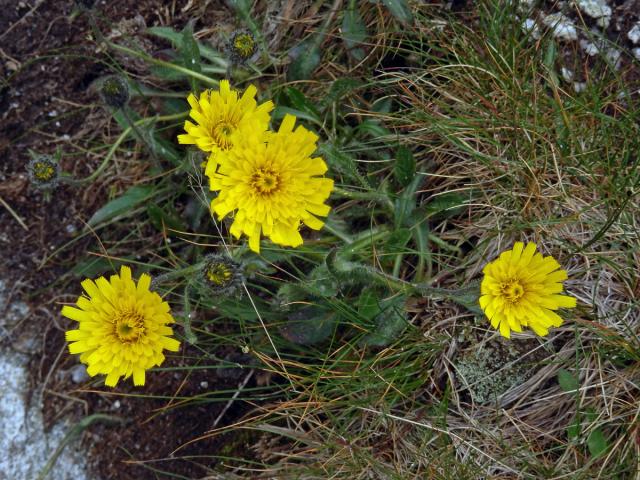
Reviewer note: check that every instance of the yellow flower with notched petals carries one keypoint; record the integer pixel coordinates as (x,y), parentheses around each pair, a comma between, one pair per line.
(122,327)
(219,114)
(275,185)
(522,288)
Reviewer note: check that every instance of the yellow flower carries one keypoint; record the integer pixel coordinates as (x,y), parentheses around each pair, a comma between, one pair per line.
(122,327)
(521,288)
(274,185)
(219,114)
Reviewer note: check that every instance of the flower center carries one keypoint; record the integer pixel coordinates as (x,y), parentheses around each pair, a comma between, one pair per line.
(129,326)
(512,290)
(244,45)
(220,133)
(43,171)
(265,180)
(219,274)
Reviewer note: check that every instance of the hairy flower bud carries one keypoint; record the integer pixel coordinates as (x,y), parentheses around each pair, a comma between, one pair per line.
(221,274)
(44,172)
(242,46)
(114,91)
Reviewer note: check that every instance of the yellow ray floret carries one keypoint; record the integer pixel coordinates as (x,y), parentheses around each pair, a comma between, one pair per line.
(521,288)
(274,186)
(123,327)
(219,114)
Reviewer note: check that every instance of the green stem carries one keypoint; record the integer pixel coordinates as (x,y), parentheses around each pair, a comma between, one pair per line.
(370,195)
(178,68)
(346,238)
(143,138)
(117,143)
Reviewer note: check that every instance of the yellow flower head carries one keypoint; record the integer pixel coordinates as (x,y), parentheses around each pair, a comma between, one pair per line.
(122,327)
(273,185)
(219,114)
(521,288)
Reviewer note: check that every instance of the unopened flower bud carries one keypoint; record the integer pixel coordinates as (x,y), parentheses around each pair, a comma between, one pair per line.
(44,172)
(241,46)
(221,274)
(114,91)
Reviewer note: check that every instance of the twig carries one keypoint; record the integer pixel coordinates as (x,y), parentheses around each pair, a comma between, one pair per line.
(14,214)
(232,399)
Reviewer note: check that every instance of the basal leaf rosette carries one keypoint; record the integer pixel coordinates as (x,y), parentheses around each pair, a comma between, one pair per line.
(273,184)
(122,327)
(522,288)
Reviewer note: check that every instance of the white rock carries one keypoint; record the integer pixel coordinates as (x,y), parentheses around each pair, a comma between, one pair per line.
(597,9)
(561,26)
(79,373)
(25,444)
(566,74)
(636,53)
(530,27)
(579,86)
(614,57)
(589,48)
(634,33)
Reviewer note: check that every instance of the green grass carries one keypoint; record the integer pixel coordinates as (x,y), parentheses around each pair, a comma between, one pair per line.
(438,166)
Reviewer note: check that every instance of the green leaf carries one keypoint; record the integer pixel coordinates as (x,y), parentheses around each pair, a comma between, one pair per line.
(368,303)
(309,325)
(306,58)
(339,88)
(167,33)
(354,33)
(176,38)
(567,381)
(405,167)
(133,197)
(94,266)
(147,135)
(166,73)
(280,111)
(299,101)
(398,240)
(446,205)
(597,443)
(163,219)
(390,323)
(190,54)
(373,129)
(382,105)
(343,163)
(405,204)
(573,430)
(400,10)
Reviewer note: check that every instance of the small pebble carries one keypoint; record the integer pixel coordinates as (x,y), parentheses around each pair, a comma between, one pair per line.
(598,10)
(634,33)
(79,374)
(529,26)
(589,48)
(579,86)
(562,27)
(566,74)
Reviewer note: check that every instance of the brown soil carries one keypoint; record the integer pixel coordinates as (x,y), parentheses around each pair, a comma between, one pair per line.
(48,61)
